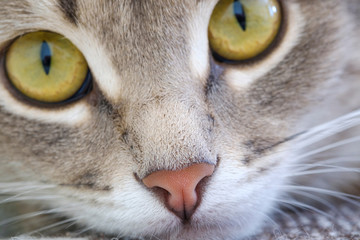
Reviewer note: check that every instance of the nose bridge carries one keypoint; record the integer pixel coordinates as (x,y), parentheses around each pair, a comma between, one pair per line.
(169,134)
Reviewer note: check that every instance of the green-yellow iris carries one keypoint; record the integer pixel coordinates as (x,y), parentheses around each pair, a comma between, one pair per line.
(234,41)
(53,78)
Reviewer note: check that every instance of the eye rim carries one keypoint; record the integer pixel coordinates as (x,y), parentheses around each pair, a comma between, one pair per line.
(85,89)
(264,54)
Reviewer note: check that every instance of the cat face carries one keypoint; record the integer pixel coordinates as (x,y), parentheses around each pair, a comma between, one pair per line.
(161,101)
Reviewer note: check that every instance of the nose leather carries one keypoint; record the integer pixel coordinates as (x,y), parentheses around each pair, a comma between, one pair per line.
(181,186)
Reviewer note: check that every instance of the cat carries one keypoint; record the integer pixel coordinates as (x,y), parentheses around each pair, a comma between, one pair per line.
(171,137)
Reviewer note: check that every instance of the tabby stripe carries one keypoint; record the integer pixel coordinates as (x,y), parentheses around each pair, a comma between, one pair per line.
(69,8)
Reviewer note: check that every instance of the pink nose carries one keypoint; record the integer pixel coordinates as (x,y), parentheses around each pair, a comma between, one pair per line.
(181,185)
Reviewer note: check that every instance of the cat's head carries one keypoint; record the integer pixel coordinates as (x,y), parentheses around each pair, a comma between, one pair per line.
(161,101)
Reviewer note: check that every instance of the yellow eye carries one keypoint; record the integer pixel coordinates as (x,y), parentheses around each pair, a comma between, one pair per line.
(242,29)
(46,67)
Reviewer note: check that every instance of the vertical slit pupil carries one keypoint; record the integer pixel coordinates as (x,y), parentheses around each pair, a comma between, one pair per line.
(45,56)
(240,14)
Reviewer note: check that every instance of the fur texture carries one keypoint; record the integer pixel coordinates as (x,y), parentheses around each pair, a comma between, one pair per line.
(161,102)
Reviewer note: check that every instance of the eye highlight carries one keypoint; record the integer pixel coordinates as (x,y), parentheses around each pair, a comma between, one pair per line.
(47,67)
(243,29)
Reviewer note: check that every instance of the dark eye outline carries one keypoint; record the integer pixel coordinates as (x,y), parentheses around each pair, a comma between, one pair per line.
(84,90)
(264,54)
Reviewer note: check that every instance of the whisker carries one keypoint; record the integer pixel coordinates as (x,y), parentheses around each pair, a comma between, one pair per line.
(302,206)
(326,161)
(328,147)
(85,229)
(10,199)
(70,225)
(349,198)
(19,198)
(328,169)
(291,208)
(318,190)
(25,216)
(322,201)
(268,218)
(282,214)
(23,186)
(327,129)
(53,225)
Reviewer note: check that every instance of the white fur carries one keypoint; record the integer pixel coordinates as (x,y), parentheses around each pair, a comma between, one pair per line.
(199,56)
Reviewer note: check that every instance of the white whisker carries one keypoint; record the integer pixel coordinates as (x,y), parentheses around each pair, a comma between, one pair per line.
(23,186)
(320,200)
(329,146)
(282,214)
(330,161)
(36,214)
(19,198)
(326,169)
(342,159)
(79,232)
(267,217)
(12,198)
(319,190)
(328,129)
(27,216)
(292,209)
(349,198)
(302,206)
(53,225)
(70,225)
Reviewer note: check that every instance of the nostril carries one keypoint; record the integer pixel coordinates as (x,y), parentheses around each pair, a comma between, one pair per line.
(181,187)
